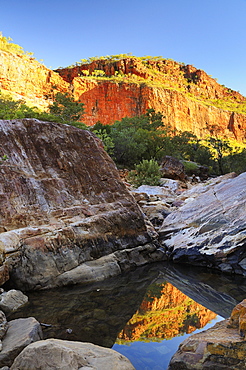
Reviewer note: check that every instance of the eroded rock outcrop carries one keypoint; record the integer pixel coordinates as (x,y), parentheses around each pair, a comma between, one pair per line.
(209,229)
(188,98)
(183,94)
(64,208)
(26,78)
(220,347)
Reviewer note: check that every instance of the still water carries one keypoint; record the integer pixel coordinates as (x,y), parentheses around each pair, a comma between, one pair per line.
(144,314)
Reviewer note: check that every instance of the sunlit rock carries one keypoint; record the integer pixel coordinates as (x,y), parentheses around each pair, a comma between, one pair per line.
(63,205)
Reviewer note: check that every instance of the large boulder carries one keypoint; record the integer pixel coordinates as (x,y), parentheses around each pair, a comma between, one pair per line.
(172,168)
(209,229)
(63,205)
(20,333)
(12,300)
(58,354)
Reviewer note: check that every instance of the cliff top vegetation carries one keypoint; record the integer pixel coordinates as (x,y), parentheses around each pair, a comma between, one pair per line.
(157,72)
(6,44)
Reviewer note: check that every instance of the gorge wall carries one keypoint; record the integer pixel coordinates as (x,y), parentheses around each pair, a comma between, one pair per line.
(188,98)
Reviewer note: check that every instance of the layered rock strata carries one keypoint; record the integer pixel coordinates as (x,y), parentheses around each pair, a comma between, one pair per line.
(188,98)
(66,217)
(209,227)
(183,94)
(221,347)
(26,78)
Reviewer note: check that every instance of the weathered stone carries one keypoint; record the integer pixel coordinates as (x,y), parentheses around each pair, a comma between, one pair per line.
(4,274)
(20,333)
(3,324)
(63,203)
(209,229)
(238,318)
(129,99)
(57,354)
(11,300)
(215,348)
(172,168)
(26,78)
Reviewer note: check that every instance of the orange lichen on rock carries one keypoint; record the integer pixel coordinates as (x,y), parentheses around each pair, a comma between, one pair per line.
(238,318)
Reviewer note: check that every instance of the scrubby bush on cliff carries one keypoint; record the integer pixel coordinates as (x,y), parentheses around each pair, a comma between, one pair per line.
(11,109)
(147,172)
(64,110)
(67,110)
(6,44)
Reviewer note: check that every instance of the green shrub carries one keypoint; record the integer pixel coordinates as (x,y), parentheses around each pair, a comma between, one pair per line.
(191,168)
(146,172)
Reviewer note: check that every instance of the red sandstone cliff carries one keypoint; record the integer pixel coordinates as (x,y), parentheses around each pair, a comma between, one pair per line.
(25,78)
(188,98)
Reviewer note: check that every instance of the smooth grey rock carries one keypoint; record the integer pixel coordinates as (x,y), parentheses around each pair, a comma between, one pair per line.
(11,300)
(20,333)
(53,354)
(111,265)
(209,229)
(160,191)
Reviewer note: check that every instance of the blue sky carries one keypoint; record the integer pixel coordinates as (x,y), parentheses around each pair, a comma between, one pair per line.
(209,34)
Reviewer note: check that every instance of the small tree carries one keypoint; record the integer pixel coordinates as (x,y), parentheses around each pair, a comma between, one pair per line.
(68,110)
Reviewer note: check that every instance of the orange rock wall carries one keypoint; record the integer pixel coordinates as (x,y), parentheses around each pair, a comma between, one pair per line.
(107,102)
(169,87)
(26,78)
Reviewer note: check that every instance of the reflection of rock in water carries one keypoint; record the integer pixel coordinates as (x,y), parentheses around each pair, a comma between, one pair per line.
(166,315)
(97,313)
(218,292)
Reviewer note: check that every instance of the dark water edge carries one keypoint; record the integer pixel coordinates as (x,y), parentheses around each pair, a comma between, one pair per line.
(97,312)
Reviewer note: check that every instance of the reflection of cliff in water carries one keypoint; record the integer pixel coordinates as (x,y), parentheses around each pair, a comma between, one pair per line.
(97,312)
(165,313)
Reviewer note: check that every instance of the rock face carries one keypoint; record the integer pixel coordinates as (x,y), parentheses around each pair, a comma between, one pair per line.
(64,207)
(12,300)
(172,168)
(238,318)
(209,229)
(20,333)
(58,354)
(215,348)
(185,96)
(26,78)
(220,347)
(165,86)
